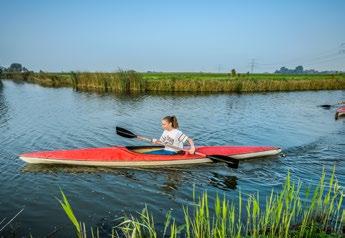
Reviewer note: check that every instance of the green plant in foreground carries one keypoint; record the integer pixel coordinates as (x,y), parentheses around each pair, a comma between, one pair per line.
(79,227)
(285,214)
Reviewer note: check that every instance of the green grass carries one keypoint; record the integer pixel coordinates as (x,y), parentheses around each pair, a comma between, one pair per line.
(207,82)
(315,212)
(133,82)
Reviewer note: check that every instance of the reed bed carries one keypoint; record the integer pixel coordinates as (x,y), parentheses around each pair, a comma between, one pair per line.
(118,82)
(122,81)
(202,82)
(131,81)
(316,212)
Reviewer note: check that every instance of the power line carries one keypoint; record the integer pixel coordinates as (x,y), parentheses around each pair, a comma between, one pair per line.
(336,53)
(339,57)
(298,60)
(252,65)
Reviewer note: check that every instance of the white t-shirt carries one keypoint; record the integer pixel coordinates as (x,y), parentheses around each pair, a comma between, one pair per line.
(174,137)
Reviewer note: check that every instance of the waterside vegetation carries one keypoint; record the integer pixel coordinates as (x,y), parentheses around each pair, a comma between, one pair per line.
(134,82)
(295,211)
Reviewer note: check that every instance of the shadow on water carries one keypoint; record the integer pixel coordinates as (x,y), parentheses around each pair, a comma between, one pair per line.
(70,169)
(223,182)
(141,96)
(153,93)
(172,177)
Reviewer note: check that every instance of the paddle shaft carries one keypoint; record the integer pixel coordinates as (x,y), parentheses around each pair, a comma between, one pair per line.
(231,162)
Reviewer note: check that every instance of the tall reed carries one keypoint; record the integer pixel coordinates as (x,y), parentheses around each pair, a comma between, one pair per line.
(317,212)
(119,82)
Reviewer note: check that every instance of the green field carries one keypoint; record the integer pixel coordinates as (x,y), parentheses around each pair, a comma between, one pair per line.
(131,81)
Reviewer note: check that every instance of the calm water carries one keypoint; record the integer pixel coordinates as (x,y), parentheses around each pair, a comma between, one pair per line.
(34,118)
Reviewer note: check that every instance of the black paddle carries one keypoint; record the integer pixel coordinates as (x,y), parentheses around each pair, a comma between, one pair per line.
(231,162)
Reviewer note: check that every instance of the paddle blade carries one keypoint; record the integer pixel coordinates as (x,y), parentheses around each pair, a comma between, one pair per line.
(231,162)
(125,133)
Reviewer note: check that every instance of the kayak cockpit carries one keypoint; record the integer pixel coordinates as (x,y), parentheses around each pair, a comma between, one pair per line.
(144,149)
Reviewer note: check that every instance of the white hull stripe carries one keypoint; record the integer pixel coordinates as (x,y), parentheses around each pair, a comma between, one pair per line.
(114,163)
(257,154)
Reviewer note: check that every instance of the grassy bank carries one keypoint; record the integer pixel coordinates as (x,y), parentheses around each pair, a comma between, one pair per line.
(131,81)
(316,212)
(122,81)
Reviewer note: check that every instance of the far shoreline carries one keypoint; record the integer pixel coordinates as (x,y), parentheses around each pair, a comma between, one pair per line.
(135,82)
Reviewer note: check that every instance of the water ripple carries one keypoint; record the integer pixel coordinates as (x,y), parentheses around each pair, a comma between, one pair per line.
(33,118)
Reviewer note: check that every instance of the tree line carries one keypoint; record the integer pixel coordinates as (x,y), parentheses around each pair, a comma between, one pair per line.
(300,70)
(14,68)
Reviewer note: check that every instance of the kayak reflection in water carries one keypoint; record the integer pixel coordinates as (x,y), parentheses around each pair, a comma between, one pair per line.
(172,136)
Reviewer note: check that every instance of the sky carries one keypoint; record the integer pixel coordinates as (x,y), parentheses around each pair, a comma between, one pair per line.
(173,36)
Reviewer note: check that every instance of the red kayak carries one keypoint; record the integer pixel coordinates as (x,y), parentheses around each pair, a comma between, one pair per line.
(340,112)
(136,155)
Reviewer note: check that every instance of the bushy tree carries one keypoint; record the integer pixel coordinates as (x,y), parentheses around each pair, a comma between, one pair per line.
(299,69)
(15,67)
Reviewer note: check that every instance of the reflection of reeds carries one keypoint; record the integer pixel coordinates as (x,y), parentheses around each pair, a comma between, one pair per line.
(131,81)
(320,213)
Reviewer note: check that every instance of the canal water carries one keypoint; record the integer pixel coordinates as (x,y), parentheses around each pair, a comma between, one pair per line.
(34,118)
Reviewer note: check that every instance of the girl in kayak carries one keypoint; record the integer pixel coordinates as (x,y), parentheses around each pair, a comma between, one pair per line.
(172,136)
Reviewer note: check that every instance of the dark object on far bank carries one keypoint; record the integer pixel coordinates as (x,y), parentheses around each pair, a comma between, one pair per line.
(328,106)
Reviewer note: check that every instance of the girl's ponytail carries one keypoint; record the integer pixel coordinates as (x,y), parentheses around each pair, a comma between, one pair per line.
(172,120)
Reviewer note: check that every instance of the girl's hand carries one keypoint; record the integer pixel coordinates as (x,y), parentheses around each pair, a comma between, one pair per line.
(154,141)
(191,150)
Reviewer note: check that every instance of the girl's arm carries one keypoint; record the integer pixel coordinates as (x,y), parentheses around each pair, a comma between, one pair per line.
(160,140)
(192,147)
